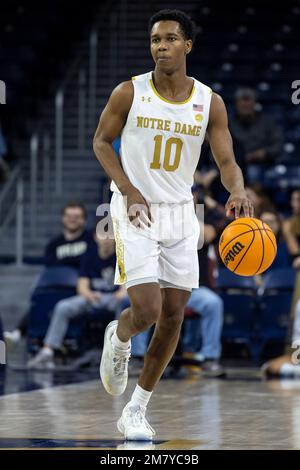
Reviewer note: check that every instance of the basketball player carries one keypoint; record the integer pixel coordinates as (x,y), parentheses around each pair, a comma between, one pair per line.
(162,117)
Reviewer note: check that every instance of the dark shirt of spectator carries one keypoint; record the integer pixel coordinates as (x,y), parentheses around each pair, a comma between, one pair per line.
(98,269)
(63,252)
(258,133)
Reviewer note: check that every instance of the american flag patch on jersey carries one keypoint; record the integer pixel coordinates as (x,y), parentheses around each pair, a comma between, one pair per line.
(198,107)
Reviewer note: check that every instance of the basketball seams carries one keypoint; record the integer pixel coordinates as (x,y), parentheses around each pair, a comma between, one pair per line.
(253,231)
(240,234)
(266,230)
(263,251)
(259,249)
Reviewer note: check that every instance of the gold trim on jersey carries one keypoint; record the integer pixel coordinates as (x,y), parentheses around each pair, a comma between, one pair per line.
(119,253)
(168,101)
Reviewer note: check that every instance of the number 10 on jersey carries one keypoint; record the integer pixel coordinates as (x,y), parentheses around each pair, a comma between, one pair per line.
(167,165)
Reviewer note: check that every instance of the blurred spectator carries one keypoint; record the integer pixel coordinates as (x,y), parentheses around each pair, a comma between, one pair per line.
(260,136)
(291,229)
(66,249)
(96,290)
(287,365)
(282,259)
(202,337)
(284,365)
(207,173)
(4,169)
(260,199)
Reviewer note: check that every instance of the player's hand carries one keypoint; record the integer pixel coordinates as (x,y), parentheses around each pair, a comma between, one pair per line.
(138,209)
(238,201)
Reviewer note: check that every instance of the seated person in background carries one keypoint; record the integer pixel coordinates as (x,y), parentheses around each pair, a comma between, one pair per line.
(291,229)
(282,259)
(66,249)
(260,199)
(204,301)
(260,136)
(207,174)
(287,365)
(283,365)
(95,289)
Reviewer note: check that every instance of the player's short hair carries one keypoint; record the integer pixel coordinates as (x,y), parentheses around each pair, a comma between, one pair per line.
(75,204)
(187,25)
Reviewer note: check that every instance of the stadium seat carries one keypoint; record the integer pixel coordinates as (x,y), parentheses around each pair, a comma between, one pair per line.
(53,284)
(240,310)
(41,309)
(228,280)
(57,277)
(275,304)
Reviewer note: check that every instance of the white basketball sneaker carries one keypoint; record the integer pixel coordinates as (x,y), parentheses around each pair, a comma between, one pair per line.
(114,363)
(134,425)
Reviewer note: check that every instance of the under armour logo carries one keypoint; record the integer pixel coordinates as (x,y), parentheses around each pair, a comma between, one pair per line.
(148,98)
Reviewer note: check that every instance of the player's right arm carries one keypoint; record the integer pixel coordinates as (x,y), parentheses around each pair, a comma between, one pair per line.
(111,123)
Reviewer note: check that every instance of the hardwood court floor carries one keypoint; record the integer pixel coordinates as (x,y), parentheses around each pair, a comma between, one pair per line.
(242,412)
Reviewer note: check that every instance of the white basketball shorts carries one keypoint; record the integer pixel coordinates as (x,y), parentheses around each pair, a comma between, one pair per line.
(165,253)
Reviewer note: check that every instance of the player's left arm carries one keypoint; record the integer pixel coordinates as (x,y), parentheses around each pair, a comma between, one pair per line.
(221,146)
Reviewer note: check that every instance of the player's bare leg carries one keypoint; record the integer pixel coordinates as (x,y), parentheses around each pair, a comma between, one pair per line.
(146,305)
(165,338)
(133,423)
(144,311)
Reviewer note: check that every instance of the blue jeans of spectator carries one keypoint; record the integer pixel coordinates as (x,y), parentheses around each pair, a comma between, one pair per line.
(67,309)
(209,306)
(207,329)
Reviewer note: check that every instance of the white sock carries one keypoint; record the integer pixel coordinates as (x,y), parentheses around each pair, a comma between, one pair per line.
(140,397)
(118,343)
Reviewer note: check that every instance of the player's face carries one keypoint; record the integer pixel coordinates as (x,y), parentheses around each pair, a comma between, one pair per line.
(73,219)
(168,46)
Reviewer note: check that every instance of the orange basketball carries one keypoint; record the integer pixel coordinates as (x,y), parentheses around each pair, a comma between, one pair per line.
(247,246)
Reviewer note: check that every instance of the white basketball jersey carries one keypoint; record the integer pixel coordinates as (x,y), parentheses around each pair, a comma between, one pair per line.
(161,141)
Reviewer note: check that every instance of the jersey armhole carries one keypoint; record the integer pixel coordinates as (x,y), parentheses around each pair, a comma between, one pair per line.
(133,101)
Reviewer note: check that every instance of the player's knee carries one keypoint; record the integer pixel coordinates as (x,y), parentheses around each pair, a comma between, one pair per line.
(173,317)
(145,314)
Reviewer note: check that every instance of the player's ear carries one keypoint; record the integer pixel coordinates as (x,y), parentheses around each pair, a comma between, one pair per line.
(188,46)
